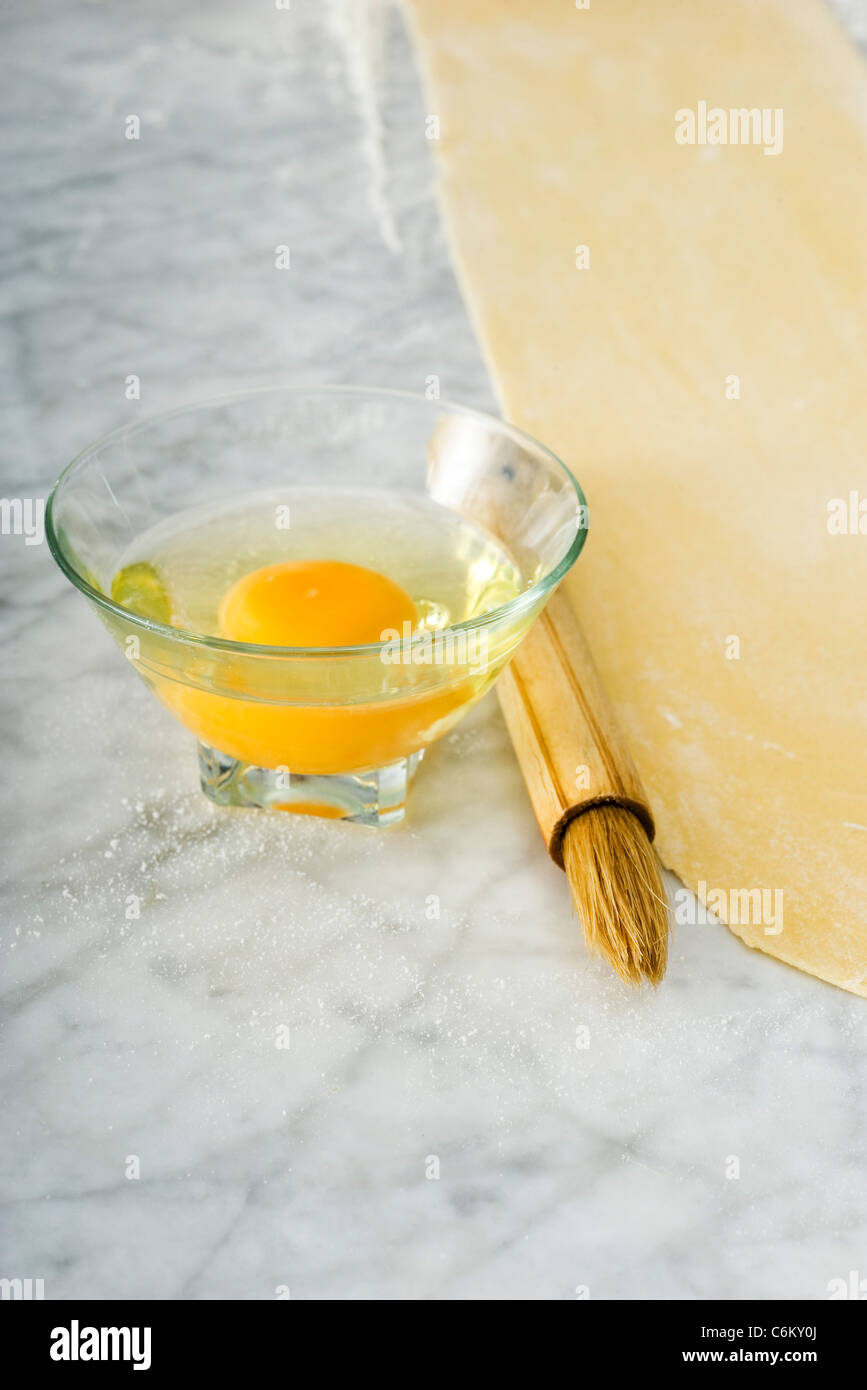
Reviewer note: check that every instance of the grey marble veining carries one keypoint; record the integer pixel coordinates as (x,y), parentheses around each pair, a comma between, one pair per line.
(417,1042)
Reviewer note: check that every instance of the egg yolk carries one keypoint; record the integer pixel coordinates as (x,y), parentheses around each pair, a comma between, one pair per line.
(314,603)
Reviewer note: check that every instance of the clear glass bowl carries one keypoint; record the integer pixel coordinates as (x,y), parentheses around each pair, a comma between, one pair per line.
(329,731)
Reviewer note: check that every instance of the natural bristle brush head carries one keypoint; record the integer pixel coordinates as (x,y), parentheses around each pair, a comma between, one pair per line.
(617,890)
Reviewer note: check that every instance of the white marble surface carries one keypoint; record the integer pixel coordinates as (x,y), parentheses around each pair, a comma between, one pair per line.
(261,1167)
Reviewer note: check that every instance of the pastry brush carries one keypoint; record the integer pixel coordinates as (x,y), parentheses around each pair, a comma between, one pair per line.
(586,793)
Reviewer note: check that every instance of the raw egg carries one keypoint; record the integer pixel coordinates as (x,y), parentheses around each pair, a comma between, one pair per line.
(314,603)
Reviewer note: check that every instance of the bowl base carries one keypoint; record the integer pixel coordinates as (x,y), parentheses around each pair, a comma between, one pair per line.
(377,797)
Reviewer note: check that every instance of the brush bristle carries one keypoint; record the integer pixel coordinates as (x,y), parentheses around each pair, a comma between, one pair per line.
(617,891)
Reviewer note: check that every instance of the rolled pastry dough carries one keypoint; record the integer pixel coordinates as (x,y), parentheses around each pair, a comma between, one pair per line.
(704,378)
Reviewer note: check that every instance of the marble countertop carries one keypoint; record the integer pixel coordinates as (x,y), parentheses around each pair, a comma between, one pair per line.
(469,1107)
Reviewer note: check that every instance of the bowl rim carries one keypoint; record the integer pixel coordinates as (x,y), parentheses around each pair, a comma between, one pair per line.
(526,599)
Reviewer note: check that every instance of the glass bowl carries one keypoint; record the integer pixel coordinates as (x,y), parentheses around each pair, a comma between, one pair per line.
(333,731)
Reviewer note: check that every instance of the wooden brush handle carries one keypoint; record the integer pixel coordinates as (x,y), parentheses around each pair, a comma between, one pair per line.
(565,735)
